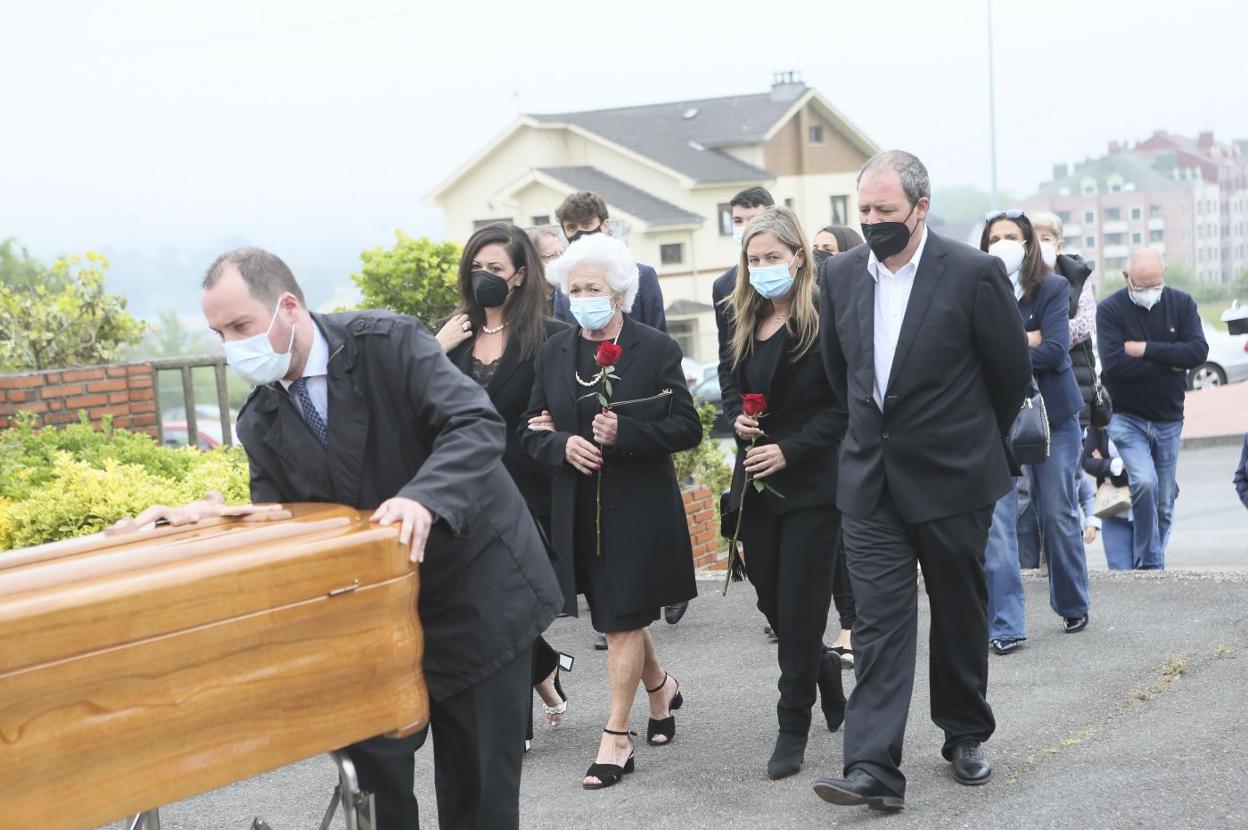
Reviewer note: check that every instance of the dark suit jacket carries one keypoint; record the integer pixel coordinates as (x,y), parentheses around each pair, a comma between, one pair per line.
(647,305)
(730,391)
(807,421)
(958,378)
(645,537)
(1050,361)
(403,421)
(509,390)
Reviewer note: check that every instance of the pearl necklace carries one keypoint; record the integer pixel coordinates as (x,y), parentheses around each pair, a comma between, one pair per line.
(597,377)
(495,330)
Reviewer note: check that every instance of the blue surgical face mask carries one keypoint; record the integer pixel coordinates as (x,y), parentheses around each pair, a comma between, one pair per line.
(738,234)
(593,313)
(771,281)
(254,359)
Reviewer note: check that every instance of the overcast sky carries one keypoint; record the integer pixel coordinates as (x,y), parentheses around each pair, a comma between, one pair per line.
(309,124)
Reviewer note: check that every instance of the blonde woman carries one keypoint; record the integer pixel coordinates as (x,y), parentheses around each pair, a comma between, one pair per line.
(785,477)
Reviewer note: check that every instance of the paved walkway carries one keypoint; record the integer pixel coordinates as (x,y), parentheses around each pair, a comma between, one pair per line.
(1137,722)
(1211,413)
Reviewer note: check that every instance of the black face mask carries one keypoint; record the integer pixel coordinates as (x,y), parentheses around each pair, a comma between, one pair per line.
(820,256)
(888,238)
(579,234)
(489,290)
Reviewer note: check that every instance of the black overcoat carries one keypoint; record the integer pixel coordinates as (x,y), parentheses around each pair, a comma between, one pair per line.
(403,421)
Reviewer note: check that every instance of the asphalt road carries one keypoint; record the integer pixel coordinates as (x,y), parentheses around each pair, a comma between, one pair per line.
(1210,522)
(1137,722)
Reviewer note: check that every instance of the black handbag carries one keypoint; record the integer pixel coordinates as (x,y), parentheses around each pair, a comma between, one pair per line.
(654,408)
(1029,437)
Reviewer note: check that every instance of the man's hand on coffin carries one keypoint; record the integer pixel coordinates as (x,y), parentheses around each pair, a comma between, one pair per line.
(416,520)
(211,506)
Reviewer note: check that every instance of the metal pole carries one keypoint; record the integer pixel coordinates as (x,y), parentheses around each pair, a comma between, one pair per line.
(188,397)
(992,113)
(223,403)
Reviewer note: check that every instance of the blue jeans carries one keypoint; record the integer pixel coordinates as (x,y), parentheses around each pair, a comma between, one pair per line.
(1056,497)
(1028,527)
(1117,539)
(1005,583)
(1150,452)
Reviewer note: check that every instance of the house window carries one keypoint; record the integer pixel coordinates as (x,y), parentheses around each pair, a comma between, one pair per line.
(541,219)
(1136,237)
(724,212)
(1135,214)
(1113,214)
(685,333)
(816,134)
(478,224)
(1089,217)
(1115,238)
(788,203)
(1070,241)
(1089,242)
(672,254)
(1064,215)
(840,210)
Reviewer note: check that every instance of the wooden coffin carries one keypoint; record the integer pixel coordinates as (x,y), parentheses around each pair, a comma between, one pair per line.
(138,670)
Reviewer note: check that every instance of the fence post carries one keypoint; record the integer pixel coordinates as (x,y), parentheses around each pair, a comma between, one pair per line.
(223,403)
(192,420)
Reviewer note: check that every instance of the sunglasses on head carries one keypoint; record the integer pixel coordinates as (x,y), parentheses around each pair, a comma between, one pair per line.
(1012,213)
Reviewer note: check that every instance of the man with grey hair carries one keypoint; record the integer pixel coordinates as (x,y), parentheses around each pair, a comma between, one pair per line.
(923,343)
(1149,335)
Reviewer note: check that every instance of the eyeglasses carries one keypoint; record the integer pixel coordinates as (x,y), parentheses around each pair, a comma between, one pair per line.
(549,258)
(1012,213)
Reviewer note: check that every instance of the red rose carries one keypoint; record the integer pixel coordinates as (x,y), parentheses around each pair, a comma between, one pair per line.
(607,354)
(754,404)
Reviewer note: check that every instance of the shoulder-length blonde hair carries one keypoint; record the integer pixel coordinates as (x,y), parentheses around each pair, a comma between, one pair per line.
(749,307)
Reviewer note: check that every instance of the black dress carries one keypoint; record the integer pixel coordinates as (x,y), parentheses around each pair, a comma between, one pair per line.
(592,578)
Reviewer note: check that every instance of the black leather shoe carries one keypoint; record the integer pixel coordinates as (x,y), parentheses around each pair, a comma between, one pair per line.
(1076,624)
(858,788)
(970,765)
(787,757)
(673,613)
(600,642)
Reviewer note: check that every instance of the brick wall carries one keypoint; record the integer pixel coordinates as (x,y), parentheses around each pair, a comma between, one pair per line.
(702,513)
(126,392)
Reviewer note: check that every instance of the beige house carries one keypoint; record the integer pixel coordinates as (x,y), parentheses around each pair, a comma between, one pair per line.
(667,173)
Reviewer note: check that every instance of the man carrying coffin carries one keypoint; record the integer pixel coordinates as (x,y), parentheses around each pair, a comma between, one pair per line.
(364,409)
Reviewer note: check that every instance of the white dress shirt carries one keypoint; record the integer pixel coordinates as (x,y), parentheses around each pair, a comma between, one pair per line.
(316,370)
(892,295)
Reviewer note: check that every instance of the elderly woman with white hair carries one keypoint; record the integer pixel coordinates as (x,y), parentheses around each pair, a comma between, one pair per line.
(609,407)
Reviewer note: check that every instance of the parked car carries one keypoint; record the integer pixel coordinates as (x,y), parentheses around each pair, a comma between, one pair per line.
(1227,361)
(708,392)
(175,434)
(694,371)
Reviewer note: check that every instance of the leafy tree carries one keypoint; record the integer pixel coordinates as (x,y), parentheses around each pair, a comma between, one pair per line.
(66,319)
(416,277)
(18,269)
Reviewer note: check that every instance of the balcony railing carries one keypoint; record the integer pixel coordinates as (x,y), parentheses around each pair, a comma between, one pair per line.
(185,366)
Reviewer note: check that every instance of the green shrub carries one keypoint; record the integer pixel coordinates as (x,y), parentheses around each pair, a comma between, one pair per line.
(76,480)
(416,277)
(705,464)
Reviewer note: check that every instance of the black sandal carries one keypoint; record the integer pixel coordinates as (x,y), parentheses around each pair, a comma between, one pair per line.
(609,775)
(667,726)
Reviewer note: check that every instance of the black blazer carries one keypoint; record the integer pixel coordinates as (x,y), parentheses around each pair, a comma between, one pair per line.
(405,422)
(509,390)
(729,389)
(807,421)
(645,536)
(959,376)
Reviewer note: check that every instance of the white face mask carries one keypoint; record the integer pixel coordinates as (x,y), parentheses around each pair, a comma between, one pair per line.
(1048,252)
(254,359)
(1145,298)
(1010,252)
(738,234)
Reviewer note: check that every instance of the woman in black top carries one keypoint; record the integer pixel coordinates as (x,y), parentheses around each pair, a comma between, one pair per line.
(785,477)
(617,517)
(502,321)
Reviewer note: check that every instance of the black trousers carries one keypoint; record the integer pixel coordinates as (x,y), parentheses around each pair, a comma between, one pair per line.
(842,590)
(478,745)
(882,550)
(789,560)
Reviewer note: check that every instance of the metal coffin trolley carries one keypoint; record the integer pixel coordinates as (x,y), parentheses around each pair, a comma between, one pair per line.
(141,669)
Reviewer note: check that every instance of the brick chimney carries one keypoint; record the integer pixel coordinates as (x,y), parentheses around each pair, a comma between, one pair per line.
(786,86)
(1060,171)
(1205,140)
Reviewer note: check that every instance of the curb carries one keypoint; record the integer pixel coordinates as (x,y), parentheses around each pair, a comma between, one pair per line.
(1198,442)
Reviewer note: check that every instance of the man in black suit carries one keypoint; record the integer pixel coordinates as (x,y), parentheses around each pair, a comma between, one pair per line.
(364,409)
(922,339)
(745,206)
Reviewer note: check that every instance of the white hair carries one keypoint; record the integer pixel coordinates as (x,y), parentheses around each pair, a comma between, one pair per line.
(610,254)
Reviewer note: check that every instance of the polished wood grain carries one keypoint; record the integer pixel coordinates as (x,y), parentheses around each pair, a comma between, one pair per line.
(138,672)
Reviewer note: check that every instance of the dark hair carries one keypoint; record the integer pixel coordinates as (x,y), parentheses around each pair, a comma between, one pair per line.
(1032,272)
(527,308)
(580,207)
(752,197)
(267,277)
(846,237)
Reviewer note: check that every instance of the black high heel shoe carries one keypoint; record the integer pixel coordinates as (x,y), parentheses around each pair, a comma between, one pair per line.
(667,726)
(609,775)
